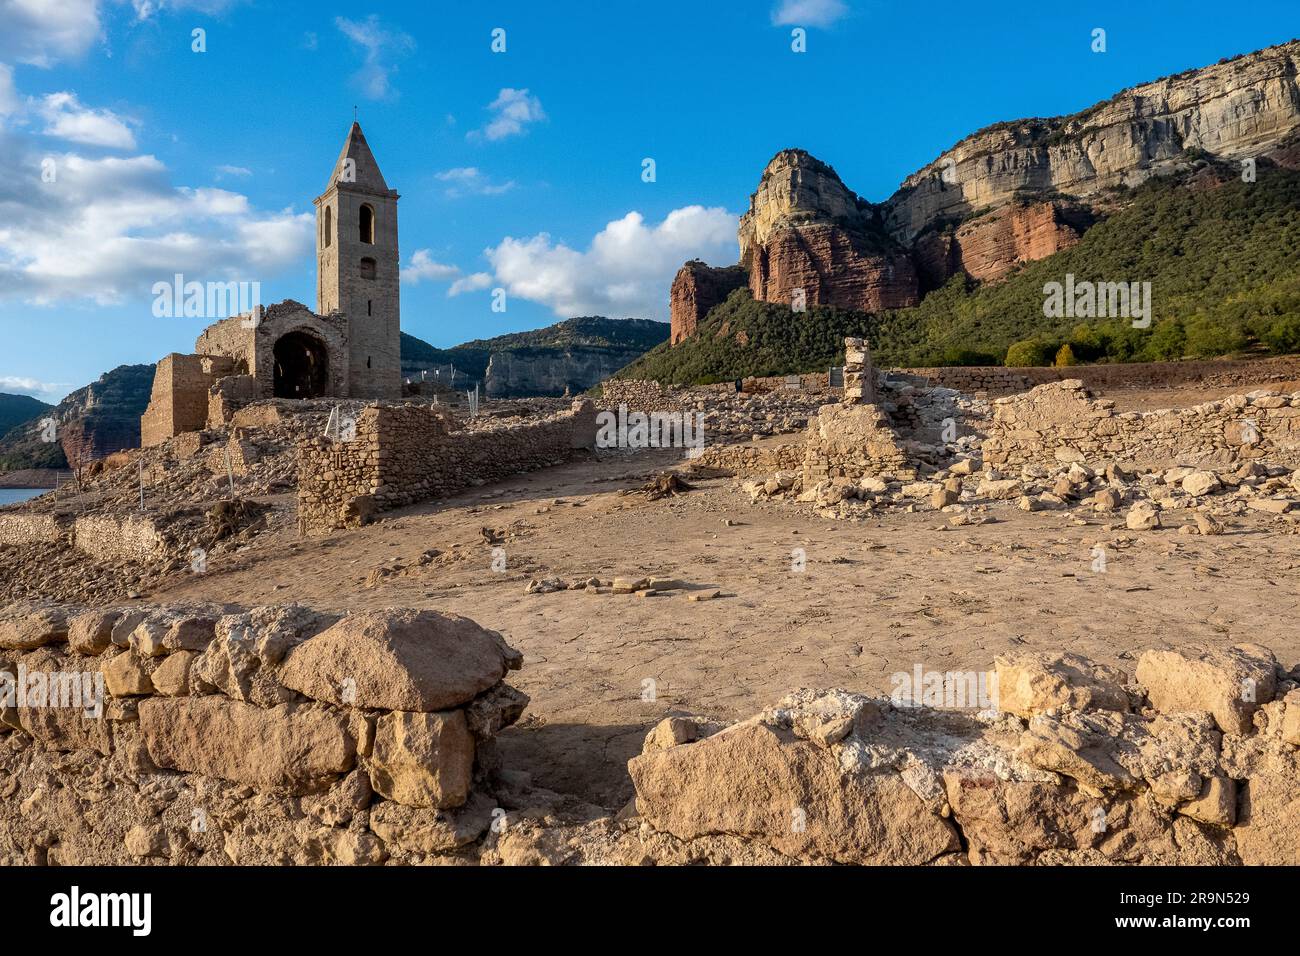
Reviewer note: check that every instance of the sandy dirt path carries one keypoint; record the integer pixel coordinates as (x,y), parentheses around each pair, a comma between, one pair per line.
(876,597)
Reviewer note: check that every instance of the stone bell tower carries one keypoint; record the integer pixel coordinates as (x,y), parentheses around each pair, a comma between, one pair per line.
(357,268)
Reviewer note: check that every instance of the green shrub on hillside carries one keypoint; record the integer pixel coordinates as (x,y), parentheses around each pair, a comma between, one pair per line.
(1028,352)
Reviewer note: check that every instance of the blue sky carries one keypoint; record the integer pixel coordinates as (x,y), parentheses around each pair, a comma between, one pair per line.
(520,170)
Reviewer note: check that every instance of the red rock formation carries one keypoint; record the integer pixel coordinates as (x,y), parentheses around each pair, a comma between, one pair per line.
(989,247)
(806,230)
(697,289)
(993,245)
(833,266)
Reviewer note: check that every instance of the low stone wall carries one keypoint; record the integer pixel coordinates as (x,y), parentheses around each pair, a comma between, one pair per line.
(748,461)
(276,735)
(998,380)
(105,537)
(119,537)
(404,454)
(1062,423)
(22,529)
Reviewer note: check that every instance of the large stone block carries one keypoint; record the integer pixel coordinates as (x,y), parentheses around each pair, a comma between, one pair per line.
(1229,683)
(299,747)
(423,759)
(763,783)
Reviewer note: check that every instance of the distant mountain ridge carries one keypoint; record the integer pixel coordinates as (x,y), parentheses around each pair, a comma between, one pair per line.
(573,354)
(16,409)
(93,421)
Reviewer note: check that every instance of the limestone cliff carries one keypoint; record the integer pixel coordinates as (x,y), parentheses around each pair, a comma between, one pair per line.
(526,372)
(697,288)
(805,230)
(1233,110)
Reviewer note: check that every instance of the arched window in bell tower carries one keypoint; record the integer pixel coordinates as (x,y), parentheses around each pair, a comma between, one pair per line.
(329,224)
(366,222)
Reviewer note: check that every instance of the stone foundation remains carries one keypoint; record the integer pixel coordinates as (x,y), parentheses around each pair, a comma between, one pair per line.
(1078,764)
(1061,423)
(404,454)
(276,735)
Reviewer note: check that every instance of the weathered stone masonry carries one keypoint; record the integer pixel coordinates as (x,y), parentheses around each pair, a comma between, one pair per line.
(403,454)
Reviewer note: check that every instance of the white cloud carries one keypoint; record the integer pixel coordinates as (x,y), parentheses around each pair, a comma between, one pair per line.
(65,118)
(107,228)
(512,110)
(470,283)
(627,269)
(382,47)
(8,93)
(421,266)
(469,180)
(808,13)
(238,171)
(40,32)
(20,385)
(144,9)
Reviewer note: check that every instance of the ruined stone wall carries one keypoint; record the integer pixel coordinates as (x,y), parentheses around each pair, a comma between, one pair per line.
(119,537)
(227,395)
(999,380)
(403,454)
(849,442)
(1061,423)
(21,529)
(179,402)
(747,461)
(278,735)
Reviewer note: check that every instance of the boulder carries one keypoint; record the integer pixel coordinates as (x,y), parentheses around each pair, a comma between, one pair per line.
(764,783)
(1200,483)
(25,626)
(1031,684)
(1143,516)
(398,660)
(1228,683)
(91,632)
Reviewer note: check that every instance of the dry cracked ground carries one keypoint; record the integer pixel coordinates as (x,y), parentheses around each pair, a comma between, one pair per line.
(876,596)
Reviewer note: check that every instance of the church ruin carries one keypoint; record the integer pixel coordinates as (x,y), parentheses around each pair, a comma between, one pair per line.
(348,348)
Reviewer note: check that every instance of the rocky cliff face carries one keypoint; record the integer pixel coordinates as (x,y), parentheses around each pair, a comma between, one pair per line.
(1012,193)
(1233,110)
(522,373)
(697,288)
(990,246)
(94,421)
(805,230)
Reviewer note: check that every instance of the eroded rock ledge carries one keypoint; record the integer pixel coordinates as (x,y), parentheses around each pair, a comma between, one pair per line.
(1198,762)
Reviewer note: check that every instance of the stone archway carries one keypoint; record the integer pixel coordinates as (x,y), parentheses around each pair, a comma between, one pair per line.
(301,366)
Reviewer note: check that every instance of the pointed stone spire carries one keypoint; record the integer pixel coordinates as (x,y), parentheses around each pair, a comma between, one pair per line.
(363,170)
